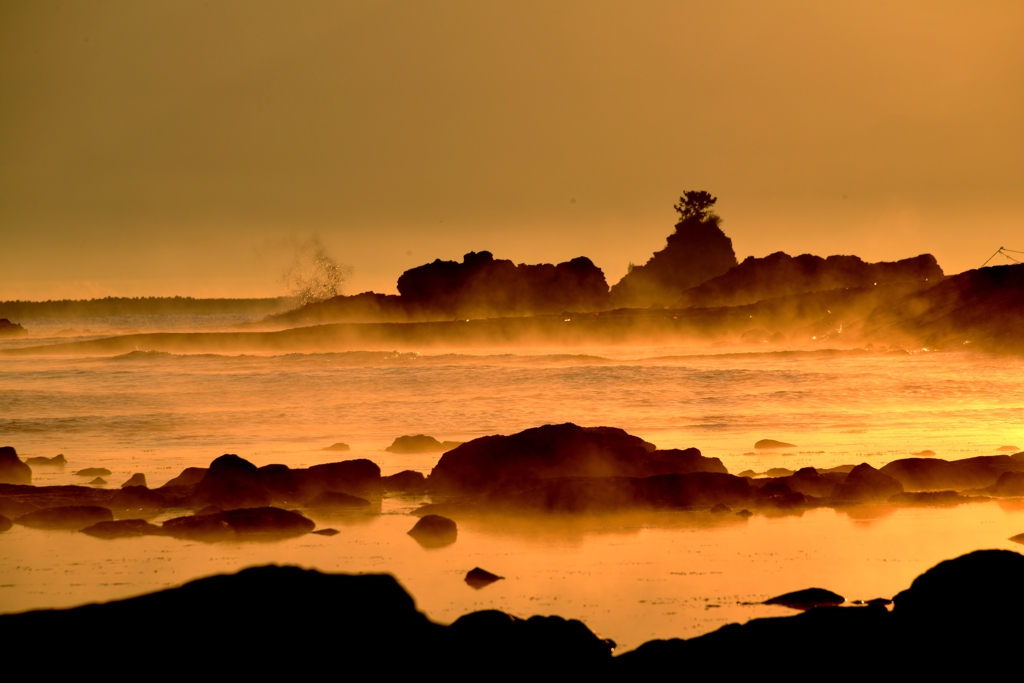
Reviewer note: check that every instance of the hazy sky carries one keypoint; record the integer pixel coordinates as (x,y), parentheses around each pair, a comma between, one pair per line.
(182,147)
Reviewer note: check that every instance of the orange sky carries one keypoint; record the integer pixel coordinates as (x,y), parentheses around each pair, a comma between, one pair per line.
(181,147)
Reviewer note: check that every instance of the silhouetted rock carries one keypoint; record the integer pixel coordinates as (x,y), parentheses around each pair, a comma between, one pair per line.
(326,532)
(866,484)
(137,498)
(337,447)
(66,517)
(811,482)
(123,528)
(11,329)
(40,461)
(780,274)
(772,443)
(12,469)
(434,531)
(98,481)
(190,476)
(5,523)
(333,499)
(356,477)
(923,454)
(94,472)
(1008,449)
(406,481)
(233,482)
(564,450)
(1019,538)
(483,286)
(478,578)
(679,461)
(928,498)
(1008,484)
(934,474)
(744,513)
(264,521)
(696,252)
(720,509)
(419,443)
(807,599)
(137,479)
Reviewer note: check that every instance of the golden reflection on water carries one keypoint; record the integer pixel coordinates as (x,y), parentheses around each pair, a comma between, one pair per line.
(629,577)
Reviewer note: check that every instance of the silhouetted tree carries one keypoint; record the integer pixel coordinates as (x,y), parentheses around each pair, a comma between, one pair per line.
(695,204)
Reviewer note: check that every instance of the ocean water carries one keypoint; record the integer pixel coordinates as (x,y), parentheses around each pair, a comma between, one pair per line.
(630,578)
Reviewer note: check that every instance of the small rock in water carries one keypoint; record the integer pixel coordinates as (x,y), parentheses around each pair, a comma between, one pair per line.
(478,578)
(744,513)
(720,509)
(923,454)
(73,517)
(1008,449)
(434,531)
(772,443)
(55,461)
(98,481)
(807,599)
(5,523)
(1019,538)
(340,447)
(420,443)
(94,472)
(326,532)
(137,479)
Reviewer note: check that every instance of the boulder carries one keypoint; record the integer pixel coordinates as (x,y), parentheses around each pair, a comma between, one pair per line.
(12,469)
(94,472)
(5,523)
(865,484)
(262,521)
(98,481)
(73,517)
(326,532)
(40,461)
(767,444)
(420,443)
(807,599)
(434,531)
(812,482)
(337,447)
(1019,538)
(137,479)
(336,500)
(478,578)
(356,477)
(720,509)
(137,498)
(551,451)
(190,476)
(744,513)
(406,481)
(1008,484)
(123,528)
(209,527)
(934,474)
(233,482)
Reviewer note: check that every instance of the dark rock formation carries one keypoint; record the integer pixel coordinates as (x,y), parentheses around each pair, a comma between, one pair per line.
(720,509)
(12,469)
(357,477)
(5,523)
(326,532)
(420,443)
(934,474)
(434,531)
(261,521)
(66,517)
(123,528)
(333,499)
(928,498)
(772,443)
(338,447)
(478,578)
(483,286)
(98,481)
(137,479)
(811,482)
(190,476)
(406,481)
(865,484)
(744,513)
(780,274)
(94,472)
(233,482)
(807,599)
(555,451)
(137,498)
(1019,538)
(17,500)
(9,329)
(40,461)
(696,252)
(1008,484)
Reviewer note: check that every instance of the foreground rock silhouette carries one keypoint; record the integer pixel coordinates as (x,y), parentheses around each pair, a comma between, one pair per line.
(807,598)
(12,469)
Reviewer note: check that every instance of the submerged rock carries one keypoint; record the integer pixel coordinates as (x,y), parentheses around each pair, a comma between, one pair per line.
(94,472)
(406,481)
(73,517)
(12,469)
(420,443)
(123,528)
(434,531)
(337,447)
(478,578)
(807,599)
(326,532)
(269,521)
(865,484)
(137,479)
(40,461)
(333,499)
(764,444)
(5,523)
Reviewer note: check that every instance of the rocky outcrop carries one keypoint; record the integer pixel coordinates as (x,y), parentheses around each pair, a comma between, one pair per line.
(768,444)
(934,474)
(190,476)
(233,482)
(434,531)
(337,448)
(94,472)
(420,443)
(780,274)
(807,598)
(559,451)
(137,479)
(73,517)
(478,578)
(1008,484)
(865,484)
(812,482)
(41,461)
(11,329)
(241,522)
(138,498)
(12,469)
(406,481)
